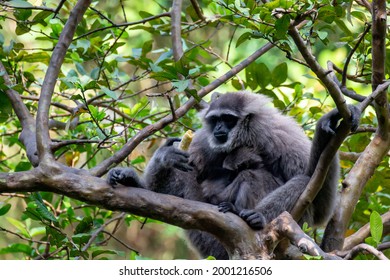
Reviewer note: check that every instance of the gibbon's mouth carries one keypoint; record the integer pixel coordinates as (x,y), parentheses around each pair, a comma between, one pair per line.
(221,137)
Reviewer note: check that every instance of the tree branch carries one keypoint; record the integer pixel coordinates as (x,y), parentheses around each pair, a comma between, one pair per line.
(198,9)
(177,46)
(239,240)
(379,146)
(365,248)
(49,82)
(345,69)
(284,226)
(379,26)
(125,24)
(364,232)
(27,136)
(320,72)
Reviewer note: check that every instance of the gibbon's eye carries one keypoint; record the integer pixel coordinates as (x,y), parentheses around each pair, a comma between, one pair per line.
(229,120)
(212,120)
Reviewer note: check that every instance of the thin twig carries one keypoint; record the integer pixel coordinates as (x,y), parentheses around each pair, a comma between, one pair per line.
(22,237)
(198,9)
(101,229)
(125,24)
(362,248)
(345,70)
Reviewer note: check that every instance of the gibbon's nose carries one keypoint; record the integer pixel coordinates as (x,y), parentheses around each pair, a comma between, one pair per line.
(221,137)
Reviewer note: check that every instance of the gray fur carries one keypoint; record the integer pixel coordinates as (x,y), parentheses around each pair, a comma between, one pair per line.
(259,172)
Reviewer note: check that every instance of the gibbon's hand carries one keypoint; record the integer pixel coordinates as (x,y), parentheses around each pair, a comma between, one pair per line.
(170,156)
(124,176)
(355,117)
(329,123)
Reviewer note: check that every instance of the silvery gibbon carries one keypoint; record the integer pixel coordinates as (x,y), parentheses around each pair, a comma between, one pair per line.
(248,159)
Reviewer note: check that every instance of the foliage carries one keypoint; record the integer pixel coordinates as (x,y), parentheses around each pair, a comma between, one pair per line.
(121,74)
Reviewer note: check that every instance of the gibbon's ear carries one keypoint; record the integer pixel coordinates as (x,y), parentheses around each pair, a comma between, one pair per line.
(215,96)
(247,120)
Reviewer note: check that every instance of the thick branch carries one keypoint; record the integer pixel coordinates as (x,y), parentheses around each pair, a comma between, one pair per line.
(379,146)
(57,58)
(284,226)
(378,65)
(177,46)
(25,118)
(239,240)
(353,186)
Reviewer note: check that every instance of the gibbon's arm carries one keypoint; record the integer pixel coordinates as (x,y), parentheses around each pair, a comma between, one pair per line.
(326,127)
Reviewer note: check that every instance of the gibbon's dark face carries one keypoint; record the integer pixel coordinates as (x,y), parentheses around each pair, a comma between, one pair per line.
(222,120)
(221,125)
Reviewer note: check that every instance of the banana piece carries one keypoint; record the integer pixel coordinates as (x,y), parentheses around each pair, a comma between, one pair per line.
(186,140)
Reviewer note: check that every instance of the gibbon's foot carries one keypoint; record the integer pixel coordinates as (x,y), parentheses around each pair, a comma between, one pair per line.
(253,218)
(225,207)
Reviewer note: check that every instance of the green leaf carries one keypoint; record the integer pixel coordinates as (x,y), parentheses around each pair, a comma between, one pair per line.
(95,73)
(42,15)
(5,106)
(327,14)
(85,225)
(22,15)
(5,209)
(23,166)
(164,56)
(110,93)
(138,160)
(19,225)
(194,94)
(315,110)
(147,47)
(262,75)
(359,15)
(37,231)
(279,74)
(17,248)
(181,85)
(100,252)
(21,29)
(281,27)
(376,226)
(81,238)
(19,4)
(57,237)
(42,209)
(80,69)
(243,38)
(370,241)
